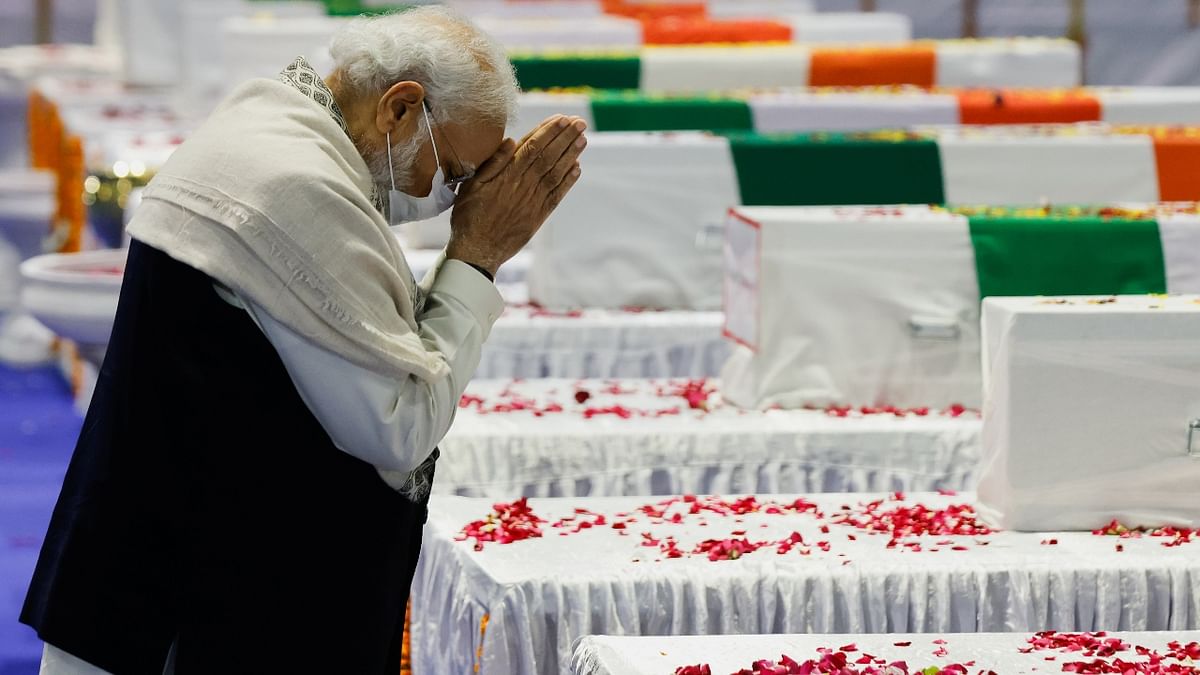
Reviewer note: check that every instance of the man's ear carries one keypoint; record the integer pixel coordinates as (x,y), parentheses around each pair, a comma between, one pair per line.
(399,109)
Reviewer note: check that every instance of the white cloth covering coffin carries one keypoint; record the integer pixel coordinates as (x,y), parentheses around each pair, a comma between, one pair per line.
(853,305)
(1088,412)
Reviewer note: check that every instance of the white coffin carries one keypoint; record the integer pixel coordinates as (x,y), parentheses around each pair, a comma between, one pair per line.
(759,8)
(851,306)
(201,41)
(1087,412)
(851,27)
(601,32)
(581,9)
(643,227)
(261,46)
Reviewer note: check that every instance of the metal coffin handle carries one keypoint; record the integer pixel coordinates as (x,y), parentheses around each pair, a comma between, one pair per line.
(934,328)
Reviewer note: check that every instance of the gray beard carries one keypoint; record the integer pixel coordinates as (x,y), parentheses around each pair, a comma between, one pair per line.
(404,156)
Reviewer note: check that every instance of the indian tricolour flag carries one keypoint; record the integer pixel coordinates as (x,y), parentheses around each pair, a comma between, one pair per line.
(880,305)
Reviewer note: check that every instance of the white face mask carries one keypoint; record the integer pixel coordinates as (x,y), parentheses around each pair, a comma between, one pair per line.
(405,208)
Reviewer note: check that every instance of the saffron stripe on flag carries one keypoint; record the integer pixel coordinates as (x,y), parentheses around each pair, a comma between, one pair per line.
(914,64)
(984,106)
(1177,160)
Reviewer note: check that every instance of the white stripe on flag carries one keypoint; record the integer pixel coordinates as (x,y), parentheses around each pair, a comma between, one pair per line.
(703,69)
(846,111)
(1002,166)
(1150,105)
(537,106)
(601,32)
(851,27)
(1008,63)
(1181,252)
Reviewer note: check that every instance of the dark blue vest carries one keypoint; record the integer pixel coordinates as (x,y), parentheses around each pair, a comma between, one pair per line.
(205,504)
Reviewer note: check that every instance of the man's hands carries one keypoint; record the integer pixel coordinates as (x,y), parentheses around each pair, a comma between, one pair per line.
(499,210)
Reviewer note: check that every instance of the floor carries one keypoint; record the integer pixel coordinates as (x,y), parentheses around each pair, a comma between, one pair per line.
(38,428)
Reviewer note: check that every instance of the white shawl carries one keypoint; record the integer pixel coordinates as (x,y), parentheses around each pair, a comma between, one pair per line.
(282,215)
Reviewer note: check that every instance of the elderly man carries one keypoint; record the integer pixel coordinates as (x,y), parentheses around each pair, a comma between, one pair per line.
(248,491)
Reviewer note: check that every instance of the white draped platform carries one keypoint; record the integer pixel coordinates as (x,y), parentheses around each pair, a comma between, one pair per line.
(518,608)
(666,447)
(529,343)
(605,655)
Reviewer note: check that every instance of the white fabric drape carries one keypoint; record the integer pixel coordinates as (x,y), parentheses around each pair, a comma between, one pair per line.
(999,652)
(541,595)
(507,455)
(604,343)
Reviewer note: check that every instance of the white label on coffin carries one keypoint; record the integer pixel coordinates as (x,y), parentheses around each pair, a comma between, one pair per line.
(627,233)
(1087,412)
(846,111)
(997,168)
(700,69)
(1008,63)
(861,306)
(743,242)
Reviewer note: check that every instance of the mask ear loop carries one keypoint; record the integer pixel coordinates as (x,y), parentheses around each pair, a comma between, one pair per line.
(391,171)
(436,158)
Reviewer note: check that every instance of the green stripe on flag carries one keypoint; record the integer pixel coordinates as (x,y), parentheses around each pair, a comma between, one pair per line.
(359,7)
(1067,256)
(827,169)
(632,111)
(600,71)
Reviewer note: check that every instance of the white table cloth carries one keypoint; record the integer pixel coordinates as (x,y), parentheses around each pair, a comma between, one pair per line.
(666,447)
(530,343)
(1000,652)
(540,595)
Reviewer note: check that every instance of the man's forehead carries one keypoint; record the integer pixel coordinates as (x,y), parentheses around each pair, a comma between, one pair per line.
(476,142)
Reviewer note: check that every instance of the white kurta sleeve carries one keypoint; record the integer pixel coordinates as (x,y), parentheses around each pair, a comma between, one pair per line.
(394,425)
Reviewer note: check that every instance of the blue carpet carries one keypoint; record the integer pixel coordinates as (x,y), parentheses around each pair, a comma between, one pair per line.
(38,428)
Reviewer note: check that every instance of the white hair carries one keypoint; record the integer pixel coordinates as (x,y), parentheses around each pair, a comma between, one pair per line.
(465,72)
